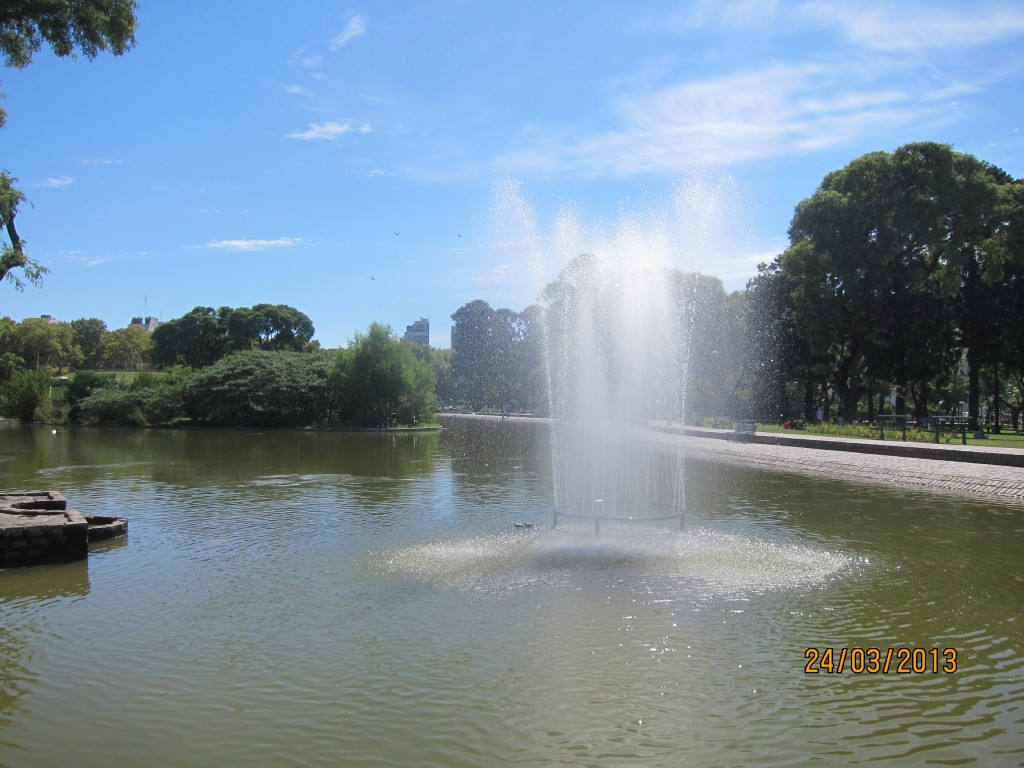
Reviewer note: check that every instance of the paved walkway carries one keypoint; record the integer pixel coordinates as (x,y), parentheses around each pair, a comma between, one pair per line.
(971,470)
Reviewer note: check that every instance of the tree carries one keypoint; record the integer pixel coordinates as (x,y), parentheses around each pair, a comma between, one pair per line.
(979,263)
(380,382)
(46,345)
(440,361)
(13,256)
(710,329)
(205,335)
(498,357)
(88,334)
(127,348)
(21,394)
(898,262)
(68,26)
(777,362)
(473,352)
(269,327)
(196,339)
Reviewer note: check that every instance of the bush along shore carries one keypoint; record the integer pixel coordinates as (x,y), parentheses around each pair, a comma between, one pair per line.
(376,383)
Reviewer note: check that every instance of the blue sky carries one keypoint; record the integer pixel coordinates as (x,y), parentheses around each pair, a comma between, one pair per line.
(348,159)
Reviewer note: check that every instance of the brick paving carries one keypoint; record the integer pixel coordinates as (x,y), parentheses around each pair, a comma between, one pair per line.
(843,459)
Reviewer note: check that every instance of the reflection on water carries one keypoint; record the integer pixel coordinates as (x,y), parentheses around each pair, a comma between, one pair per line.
(320,599)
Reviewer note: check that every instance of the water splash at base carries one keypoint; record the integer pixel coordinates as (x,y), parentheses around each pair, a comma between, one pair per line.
(710,562)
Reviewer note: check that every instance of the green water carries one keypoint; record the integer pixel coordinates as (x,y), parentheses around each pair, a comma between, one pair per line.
(334,599)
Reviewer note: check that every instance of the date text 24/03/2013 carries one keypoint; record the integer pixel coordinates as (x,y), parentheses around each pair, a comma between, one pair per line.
(875,661)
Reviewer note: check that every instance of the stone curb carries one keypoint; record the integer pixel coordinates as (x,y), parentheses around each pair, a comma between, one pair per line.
(1007,457)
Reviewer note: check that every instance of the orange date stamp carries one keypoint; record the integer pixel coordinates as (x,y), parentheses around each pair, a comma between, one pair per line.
(880,661)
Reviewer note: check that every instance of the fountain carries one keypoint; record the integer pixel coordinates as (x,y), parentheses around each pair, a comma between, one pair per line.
(615,362)
(618,321)
(616,353)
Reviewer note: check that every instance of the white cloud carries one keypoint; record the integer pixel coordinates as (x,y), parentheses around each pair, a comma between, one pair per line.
(770,112)
(307,61)
(356,27)
(97,162)
(916,27)
(736,13)
(328,131)
(253,245)
(96,261)
(56,182)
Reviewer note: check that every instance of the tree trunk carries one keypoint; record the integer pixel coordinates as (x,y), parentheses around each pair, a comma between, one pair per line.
(921,401)
(973,390)
(6,265)
(995,399)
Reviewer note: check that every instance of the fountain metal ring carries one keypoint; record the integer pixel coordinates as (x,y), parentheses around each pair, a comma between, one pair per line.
(586,510)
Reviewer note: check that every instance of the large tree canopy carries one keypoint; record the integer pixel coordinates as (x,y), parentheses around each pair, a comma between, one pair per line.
(205,335)
(899,260)
(497,358)
(68,26)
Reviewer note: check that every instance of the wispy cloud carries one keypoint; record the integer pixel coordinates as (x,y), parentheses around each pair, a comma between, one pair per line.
(356,27)
(306,60)
(56,182)
(95,261)
(735,13)
(253,245)
(328,131)
(98,162)
(875,79)
(915,27)
(731,118)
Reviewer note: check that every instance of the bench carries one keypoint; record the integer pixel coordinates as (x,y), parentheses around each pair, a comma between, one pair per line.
(892,424)
(949,425)
(745,429)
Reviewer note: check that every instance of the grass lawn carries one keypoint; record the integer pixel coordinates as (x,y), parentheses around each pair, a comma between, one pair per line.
(1005,439)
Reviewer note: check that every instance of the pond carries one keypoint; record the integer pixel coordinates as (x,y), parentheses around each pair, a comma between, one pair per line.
(314,598)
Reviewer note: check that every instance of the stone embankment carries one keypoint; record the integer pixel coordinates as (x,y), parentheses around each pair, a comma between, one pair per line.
(37,527)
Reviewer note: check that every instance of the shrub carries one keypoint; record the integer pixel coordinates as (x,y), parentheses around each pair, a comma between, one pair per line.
(260,389)
(842,430)
(22,393)
(147,399)
(80,386)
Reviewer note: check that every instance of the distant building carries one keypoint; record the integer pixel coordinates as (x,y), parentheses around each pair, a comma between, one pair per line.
(149,323)
(50,319)
(418,332)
